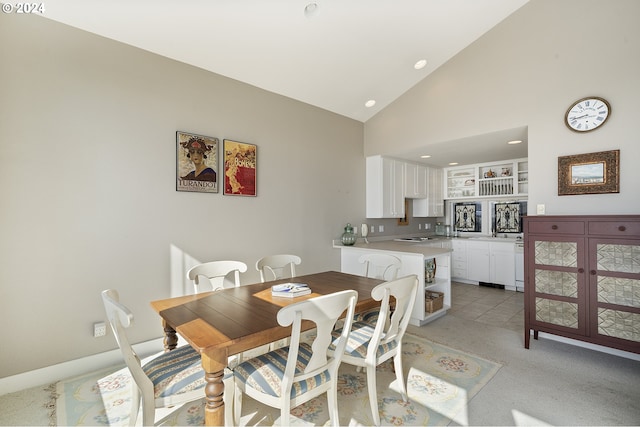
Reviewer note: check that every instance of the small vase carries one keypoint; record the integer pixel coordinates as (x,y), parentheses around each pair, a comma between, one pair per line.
(348,237)
(430,270)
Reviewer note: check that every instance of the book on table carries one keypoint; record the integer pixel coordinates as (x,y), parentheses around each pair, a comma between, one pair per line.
(290,290)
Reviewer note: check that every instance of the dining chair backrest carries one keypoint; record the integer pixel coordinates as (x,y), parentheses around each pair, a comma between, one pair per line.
(372,344)
(274,267)
(324,311)
(403,290)
(165,380)
(309,370)
(221,274)
(121,318)
(380,266)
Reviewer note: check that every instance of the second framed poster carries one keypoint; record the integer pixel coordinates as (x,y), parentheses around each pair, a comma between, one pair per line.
(239,168)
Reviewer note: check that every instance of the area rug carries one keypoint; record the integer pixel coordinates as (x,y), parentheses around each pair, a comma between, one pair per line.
(440,383)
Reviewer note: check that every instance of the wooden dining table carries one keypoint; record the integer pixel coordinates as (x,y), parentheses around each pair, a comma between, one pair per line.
(229,321)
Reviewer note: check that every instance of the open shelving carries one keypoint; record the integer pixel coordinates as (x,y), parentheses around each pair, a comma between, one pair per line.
(506,178)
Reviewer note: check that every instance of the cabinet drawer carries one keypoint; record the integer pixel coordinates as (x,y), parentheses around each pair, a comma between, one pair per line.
(615,228)
(557,227)
(460,273)
(459,256)
(459,264)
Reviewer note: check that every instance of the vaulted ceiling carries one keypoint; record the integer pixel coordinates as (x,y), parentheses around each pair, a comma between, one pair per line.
(334,54)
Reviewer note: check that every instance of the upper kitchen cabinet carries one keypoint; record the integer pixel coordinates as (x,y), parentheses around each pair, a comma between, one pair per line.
(385,187)
(390,181)
(504,178)
(415,181)
(433,204)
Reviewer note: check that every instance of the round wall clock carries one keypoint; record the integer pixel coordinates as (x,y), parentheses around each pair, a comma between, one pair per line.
(587,114)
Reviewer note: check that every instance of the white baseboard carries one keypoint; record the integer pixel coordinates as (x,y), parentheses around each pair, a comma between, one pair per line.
(584,344)
(75,368)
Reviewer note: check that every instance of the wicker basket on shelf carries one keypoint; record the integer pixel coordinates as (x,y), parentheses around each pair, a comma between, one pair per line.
(434,301)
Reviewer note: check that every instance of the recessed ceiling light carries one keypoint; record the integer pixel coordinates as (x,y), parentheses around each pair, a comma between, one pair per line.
(420,64)
(453,163)
(426,156)
(311,10)
(515,141)
(370,103)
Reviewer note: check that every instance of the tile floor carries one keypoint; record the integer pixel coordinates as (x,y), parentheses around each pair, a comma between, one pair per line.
(496,307)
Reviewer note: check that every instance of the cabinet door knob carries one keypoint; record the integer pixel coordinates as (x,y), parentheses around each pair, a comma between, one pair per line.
(554,227)
(622,228)
(593,272)
(581,270)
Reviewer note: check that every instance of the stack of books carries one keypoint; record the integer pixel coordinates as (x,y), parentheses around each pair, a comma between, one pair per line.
(290,290)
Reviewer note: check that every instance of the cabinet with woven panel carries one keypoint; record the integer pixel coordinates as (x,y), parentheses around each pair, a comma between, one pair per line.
(582,279)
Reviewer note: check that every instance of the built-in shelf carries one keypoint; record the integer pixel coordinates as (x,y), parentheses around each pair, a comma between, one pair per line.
(506,178)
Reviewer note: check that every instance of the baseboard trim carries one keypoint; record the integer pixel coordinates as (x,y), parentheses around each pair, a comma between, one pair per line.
(590,346)
(73,368)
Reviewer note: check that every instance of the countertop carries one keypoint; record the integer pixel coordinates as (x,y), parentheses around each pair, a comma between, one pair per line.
(423,247)
(393,246)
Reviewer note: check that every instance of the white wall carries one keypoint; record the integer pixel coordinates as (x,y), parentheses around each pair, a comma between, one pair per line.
(88,199)
(526,72)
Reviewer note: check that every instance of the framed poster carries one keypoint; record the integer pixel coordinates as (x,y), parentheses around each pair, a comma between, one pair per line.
(591,173)
(239,168)
(197,163)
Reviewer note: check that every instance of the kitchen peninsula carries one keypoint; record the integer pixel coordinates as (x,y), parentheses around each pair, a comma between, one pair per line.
(413,257)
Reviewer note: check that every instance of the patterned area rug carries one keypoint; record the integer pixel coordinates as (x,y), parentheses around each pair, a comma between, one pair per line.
(440,382)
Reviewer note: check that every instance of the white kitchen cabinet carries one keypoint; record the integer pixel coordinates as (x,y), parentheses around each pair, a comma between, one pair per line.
(502,269)
(415,181)
(459,259)
(487,261)
(433,204)
(478,261)
(384,187)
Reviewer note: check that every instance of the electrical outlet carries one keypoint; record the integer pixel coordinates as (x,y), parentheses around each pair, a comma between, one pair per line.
(540,209)
(99,329)
(381,228)
(427,226)
(419,226)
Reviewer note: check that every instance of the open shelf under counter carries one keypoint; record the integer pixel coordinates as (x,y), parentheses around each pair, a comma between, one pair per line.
(436,314)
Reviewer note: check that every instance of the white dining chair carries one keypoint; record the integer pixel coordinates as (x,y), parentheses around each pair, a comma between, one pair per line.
(274,267)
(223,275)
(368,345)
(289,376)
(378,266)
(172,378)
(220,274)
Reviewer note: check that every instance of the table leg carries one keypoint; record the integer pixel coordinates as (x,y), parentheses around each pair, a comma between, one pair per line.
(170,336)
(213,365)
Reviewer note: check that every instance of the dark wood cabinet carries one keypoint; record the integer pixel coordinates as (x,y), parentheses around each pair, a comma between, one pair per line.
(582,278)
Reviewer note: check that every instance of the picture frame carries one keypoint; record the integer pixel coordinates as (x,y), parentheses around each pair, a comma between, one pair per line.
(196,162)
(240,168)
(467,217)
(590,173)
(507,217)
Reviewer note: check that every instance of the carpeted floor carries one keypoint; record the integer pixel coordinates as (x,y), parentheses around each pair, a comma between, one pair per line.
(440,382)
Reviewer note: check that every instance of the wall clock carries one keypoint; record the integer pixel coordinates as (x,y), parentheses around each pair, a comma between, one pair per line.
(587,114)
